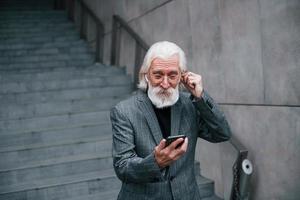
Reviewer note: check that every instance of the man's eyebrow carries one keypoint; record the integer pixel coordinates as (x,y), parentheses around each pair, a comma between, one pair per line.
(157,72)
(173,72)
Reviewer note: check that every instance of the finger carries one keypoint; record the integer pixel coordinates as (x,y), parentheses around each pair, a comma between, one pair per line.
(192,83)
(161,145)
(174,144)
(184,146)
(180,151)
(185,76)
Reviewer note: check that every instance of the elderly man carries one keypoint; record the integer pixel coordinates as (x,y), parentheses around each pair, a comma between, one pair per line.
(146,165)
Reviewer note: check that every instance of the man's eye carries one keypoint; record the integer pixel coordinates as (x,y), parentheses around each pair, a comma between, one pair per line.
(157,76)
(173,77)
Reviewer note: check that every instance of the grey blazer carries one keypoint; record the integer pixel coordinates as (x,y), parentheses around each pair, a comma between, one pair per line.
(136,132)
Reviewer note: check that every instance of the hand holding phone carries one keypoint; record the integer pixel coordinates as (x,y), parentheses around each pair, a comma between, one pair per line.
(166,155)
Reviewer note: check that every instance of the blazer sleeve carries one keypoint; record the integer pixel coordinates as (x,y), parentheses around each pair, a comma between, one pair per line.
(213,125)
(128,166)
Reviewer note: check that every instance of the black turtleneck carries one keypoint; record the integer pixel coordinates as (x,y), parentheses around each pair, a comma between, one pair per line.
(163,116)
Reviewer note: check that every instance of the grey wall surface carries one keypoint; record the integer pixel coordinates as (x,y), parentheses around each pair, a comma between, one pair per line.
(248,53)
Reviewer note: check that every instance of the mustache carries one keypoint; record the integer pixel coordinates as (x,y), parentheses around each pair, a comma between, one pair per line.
(163,92)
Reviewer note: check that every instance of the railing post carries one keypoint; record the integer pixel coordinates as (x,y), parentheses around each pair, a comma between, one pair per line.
(115,43)
(82,21)
(70,9)
(137,62)
(99,43)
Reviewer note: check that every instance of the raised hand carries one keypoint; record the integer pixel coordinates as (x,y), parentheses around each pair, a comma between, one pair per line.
(192,82)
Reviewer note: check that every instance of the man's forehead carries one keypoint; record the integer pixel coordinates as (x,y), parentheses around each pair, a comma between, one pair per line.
(172,62)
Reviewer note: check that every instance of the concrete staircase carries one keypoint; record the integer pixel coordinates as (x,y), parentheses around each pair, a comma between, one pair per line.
(55,133)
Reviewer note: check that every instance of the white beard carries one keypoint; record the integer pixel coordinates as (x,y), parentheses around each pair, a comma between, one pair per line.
(163,98)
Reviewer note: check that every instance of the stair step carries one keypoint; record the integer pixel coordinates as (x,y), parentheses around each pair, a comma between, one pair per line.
(51,171)
(37,25)
(213,197)
(103,175)
(62,95)
(41,51)
(53,137)
(57,170)
(42,35)
(107,195)
(27,37)
(48,45)
(206,186)
(88,184)
(63,73)
(20,30)
(42,14)
(38,66)
(10,61)
(15,111)
(38,41)
(15,159)
(35,86)
(54,161)
(44,123)
(44,51)
(29,22)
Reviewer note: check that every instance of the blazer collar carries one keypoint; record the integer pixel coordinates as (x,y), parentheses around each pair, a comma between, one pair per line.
(146,107)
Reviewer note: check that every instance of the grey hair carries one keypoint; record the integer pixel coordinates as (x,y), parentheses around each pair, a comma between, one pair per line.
(162,50)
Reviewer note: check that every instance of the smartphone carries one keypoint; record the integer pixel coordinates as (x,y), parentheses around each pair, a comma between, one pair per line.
(172,138)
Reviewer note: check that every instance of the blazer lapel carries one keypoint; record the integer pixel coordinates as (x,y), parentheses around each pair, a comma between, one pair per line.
(175,118)
(146,108)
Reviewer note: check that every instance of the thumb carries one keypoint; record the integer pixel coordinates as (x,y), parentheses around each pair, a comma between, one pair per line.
(161,145)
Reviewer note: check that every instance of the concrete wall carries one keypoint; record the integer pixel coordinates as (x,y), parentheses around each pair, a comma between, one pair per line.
(248,53)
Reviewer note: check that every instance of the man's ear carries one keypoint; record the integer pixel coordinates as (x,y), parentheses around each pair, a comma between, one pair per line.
(146,78)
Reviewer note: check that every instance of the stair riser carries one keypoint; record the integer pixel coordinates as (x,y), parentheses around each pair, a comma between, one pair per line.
(26,34)
(45,45)
(207,190)
(7,15)
(66,191)
(25,157)
(41,51)
(61,74)
(44,51)
(12,111)
(10,60)
(39,173)
(32,21)
(38,40)
(40,65)
(5,37)
(36,26)
(65,95)
(33,37)
(42,123)
(33,30)
(47,138)
(59,85)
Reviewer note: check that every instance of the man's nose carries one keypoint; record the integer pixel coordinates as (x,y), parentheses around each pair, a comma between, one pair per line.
(165,83)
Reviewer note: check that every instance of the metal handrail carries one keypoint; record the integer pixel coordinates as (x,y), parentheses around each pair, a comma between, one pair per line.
(140,45)
(242,154)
